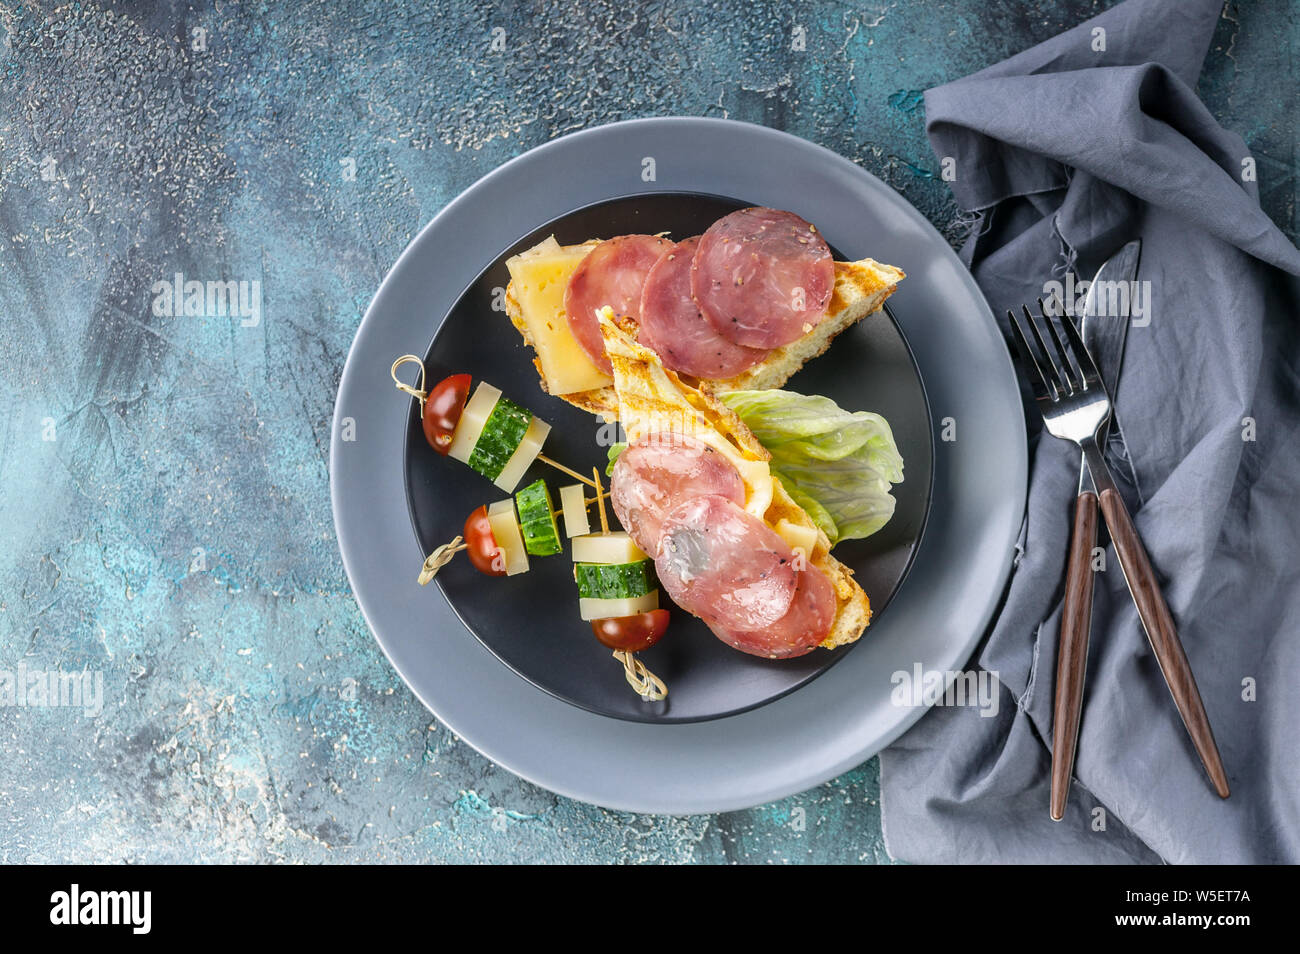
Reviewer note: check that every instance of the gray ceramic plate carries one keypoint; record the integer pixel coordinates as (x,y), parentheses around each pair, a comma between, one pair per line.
(802,738)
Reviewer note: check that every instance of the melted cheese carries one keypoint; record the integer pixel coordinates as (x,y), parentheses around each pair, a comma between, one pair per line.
(757,476)
(540,276)
(799,537)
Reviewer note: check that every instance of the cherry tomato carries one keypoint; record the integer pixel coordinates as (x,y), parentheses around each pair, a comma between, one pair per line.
(483,550)
(442,409)
(631,633)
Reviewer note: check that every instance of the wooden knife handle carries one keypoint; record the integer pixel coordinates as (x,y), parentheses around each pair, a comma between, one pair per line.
(1072,650)
(1159,625)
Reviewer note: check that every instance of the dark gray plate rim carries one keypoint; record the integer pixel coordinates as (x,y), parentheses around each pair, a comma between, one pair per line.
(806,737)
(879,604)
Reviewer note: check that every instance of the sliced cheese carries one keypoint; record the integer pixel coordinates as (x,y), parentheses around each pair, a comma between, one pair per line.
(540,276)
(573,503)
(590,609)
(799,537)
(505,531)
(470,426)
(530,445)
(615,547)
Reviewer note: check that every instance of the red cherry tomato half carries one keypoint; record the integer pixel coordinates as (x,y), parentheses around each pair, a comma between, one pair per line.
(483,550)
(442,409)
(631,633)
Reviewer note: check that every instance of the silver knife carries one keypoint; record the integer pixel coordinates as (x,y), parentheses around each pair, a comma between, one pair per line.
(1104,336)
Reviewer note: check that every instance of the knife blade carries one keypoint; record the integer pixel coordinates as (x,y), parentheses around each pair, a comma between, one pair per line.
(1105,335)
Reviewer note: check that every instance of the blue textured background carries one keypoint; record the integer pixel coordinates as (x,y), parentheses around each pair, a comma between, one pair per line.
(249,715)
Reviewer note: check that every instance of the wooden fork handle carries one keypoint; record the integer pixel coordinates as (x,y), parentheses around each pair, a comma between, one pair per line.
(1072,650)
(1159,625)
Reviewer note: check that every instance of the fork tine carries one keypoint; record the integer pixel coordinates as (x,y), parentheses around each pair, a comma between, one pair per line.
(1038,382)
(1091,377)
(1058,305)
(1054,372)
(1063,314)
(1073,379)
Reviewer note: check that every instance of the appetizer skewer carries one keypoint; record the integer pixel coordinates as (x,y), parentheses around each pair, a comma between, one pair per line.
(617,589)
(484,430)
(500,537)
(618,594)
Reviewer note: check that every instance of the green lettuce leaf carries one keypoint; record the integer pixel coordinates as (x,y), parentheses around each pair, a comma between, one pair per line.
(837,465)
(612,454)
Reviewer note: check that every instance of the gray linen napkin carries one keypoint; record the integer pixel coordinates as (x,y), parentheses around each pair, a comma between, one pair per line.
(1064,152)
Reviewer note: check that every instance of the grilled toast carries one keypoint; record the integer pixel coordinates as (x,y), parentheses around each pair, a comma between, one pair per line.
(652,399)
(860,289)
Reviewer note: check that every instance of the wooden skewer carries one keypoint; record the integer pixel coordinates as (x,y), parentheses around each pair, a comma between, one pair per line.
(572,473)
(416,392)
(600,500)
(648,686)
(421,395)
(439,558)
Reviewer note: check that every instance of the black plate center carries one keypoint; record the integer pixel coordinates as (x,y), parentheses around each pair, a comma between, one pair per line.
(531,621)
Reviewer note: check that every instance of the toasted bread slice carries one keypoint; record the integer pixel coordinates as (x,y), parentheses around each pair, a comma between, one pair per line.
(653,399)
(860,289)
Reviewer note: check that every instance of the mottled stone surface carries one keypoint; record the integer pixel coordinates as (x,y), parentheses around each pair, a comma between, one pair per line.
(164,497)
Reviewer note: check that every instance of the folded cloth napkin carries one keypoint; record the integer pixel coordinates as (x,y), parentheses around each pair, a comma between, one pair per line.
(1063,153)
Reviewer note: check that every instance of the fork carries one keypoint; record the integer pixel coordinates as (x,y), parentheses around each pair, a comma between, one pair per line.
(1074,405)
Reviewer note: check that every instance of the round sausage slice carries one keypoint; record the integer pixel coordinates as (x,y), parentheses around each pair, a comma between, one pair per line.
(612,274)
(672,326)
(799,631)
(725,565)
(762,277)
(656,472)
